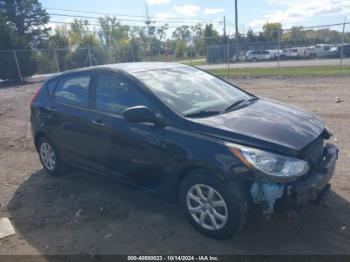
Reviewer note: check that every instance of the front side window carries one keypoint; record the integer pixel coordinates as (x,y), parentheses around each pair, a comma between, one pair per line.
(114,94)
(73,90)
(188,90)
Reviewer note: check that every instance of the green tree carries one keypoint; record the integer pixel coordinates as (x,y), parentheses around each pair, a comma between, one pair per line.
(8,69)
(85,46)
(27,18)
(59,39)
(251,38)
(136,43)
(112,33)
(25,21)
(211,36)
(180,49)
(161,35)
(271,31)
(182,33)
(182,37)
(198,39)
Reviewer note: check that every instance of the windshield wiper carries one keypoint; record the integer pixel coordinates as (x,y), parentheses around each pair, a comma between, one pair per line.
(235,105)
(239,102)
(203,113)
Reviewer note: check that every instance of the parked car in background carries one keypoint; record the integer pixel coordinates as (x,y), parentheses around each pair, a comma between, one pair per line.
(298,52)
(290,53)
(322,50)
(275,53)
(335,51)
(309,52)
(186,134)
(258,55)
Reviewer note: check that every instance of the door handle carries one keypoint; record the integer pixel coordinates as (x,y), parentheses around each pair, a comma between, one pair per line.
(51,109)
(98,123)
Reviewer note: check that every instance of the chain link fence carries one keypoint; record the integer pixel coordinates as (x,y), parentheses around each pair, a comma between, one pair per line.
(313,46)
(274,51)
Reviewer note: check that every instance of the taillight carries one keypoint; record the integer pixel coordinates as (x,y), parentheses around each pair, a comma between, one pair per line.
(35,96)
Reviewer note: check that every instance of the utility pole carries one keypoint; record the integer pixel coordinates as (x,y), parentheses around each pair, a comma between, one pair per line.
(18,69)
(237,33)
(224,26)
(56,60)
(342,48)
(89,54)
(148,22)
(279,54)
(226,37)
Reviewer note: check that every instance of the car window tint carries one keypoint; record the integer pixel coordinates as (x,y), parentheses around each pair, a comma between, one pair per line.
(74,90)
(114,94)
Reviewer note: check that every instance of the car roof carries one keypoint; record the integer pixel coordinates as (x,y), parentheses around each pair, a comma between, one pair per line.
(129,67)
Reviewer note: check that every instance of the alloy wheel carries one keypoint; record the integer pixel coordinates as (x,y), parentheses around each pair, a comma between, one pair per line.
(207,207)
(47,156)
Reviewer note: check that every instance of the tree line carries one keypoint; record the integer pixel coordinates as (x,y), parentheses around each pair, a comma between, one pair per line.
(40,49)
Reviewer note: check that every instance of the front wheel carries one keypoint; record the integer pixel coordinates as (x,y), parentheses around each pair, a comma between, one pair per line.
(214,208)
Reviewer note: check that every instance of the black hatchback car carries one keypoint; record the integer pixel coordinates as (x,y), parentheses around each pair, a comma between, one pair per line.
(184,133)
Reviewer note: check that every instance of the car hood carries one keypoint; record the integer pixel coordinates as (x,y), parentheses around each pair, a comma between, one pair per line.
(264,124)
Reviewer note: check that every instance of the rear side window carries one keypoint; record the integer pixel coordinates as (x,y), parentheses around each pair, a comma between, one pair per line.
(74,90)
(51,85)
(114,94)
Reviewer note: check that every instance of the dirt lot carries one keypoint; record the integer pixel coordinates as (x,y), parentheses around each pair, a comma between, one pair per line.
(81,213)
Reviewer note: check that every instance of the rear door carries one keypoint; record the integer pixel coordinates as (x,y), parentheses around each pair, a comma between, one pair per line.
(132,150)
(68,117)
(266,55)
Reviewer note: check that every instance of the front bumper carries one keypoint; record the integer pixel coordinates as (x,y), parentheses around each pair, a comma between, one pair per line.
(302,192)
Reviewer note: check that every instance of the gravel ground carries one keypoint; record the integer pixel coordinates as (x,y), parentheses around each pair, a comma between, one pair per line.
(82,213)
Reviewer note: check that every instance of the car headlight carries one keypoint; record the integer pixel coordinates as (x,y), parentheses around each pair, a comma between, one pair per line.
(269,163)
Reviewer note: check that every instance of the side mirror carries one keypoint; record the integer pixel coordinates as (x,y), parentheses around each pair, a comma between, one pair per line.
(140,114)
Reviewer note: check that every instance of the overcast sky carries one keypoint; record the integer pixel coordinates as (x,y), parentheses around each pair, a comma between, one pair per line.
(251,13)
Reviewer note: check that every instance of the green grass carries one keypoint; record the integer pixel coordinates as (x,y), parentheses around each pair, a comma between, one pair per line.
(195,62)
(284,71)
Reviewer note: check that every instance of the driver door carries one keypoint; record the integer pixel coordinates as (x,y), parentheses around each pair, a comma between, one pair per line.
(131,150)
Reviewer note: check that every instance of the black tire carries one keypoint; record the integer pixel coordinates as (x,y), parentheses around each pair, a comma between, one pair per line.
(51,170)
(312,56)
(233,196)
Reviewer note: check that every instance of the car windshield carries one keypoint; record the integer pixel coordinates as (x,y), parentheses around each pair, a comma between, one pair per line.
(188,90)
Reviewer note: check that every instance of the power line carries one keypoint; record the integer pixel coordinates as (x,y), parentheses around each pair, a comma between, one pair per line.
(124,15)
(98,25)
(90,12)
(130,20)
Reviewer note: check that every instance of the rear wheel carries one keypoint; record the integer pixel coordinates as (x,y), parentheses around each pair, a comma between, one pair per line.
(49,156)
(213,208)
